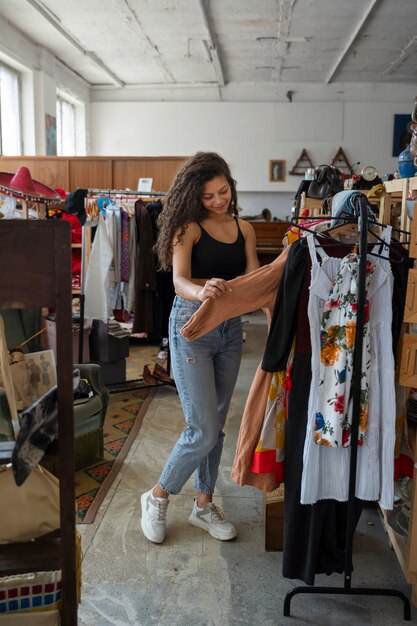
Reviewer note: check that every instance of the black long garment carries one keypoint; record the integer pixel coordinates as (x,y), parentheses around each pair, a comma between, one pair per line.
(315,535)
(145,272)
(165,292)
(154,289)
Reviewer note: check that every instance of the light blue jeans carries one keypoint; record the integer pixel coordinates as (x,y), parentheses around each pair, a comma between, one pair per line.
(205,372)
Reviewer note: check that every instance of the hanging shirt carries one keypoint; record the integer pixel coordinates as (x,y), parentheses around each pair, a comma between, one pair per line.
(96,280)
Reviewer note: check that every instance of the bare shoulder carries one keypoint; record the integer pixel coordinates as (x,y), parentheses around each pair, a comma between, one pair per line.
(191,234)
(246,228)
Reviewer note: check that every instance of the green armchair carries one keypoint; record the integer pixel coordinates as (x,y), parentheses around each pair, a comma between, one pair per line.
(88,416)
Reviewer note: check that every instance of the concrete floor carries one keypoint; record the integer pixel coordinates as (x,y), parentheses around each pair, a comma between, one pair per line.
(194,580)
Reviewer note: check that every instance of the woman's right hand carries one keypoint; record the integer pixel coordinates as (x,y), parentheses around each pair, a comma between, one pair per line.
(213,288)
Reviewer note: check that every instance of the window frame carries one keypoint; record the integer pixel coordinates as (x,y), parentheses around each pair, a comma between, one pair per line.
(19,108)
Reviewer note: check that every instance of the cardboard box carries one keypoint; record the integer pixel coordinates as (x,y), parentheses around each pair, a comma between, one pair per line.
(49,341)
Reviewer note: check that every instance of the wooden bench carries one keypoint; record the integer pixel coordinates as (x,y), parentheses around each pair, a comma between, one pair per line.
(269,236)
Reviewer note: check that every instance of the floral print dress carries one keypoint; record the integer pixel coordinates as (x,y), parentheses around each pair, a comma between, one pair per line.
(337,349)
(326,467)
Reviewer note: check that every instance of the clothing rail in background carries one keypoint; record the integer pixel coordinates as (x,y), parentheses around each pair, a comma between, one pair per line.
(127,192)
(131,194)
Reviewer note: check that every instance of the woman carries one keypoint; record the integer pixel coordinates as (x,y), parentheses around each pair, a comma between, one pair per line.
(206,244)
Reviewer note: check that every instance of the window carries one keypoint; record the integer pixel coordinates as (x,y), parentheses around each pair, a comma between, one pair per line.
(70,125)
(10,131)
(66,127)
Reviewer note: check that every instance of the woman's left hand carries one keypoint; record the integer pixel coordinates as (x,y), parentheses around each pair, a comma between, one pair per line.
(214,288)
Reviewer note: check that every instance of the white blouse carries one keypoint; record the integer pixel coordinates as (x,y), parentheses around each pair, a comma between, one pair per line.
(326,470)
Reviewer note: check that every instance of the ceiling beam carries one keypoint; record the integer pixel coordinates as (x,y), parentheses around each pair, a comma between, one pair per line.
(283,20)
(89,55)
(212,44)
(157,55)
(366,15)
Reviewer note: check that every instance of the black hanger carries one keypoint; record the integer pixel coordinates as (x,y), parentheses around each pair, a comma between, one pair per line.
(327,240)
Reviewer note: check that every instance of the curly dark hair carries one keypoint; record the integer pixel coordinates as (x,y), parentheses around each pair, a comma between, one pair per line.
(182,203)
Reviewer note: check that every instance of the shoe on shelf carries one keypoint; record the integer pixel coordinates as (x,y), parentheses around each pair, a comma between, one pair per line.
(161,374)
(148,378)
(154,513)
(212,520)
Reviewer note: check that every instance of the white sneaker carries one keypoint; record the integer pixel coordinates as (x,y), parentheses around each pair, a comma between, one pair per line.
(154,512)
(211,519)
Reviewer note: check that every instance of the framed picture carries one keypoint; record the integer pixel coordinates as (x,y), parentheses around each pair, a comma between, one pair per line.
(276,171)
(50,134)
(402,134)
(42,372)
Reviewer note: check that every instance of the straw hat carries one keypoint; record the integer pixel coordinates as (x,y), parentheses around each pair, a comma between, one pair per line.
(21,185)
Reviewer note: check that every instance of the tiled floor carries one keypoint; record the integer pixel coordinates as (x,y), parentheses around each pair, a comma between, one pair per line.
(194,580)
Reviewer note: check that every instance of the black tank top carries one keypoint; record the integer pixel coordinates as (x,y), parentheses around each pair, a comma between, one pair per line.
(211,258)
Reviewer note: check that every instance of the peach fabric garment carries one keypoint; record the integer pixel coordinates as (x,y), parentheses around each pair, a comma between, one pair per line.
(250,292)
(250,427)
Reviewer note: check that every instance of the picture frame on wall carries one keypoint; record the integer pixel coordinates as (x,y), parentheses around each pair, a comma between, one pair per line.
(276,171)
(50,135)
(402,133)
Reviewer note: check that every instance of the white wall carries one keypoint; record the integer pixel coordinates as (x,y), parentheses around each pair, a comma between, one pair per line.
(248,135)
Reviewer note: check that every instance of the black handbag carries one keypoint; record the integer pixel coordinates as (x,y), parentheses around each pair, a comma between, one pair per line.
(327,181)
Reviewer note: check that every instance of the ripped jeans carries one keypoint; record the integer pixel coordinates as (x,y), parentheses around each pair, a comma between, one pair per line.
(205,373)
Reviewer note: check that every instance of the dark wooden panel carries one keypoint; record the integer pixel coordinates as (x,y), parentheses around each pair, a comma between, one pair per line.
(31,257)
(35,257)
(42,555)
(270,232)
(269,236)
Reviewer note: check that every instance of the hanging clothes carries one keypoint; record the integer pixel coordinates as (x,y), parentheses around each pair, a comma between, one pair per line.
(314,537)
(124,246)
(165,291)
(145,272)
(97,276)
(130,290)
(337,349)
(250,428)
(326,470)
(269,453)
(154,289)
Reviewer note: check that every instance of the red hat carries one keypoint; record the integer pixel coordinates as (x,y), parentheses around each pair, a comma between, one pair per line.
(21,185)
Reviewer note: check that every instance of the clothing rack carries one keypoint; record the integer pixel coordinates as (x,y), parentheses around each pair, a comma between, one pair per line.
(137,383)
(347,588)
(126,192)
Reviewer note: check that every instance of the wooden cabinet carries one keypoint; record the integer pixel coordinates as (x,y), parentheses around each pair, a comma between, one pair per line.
(269,236)
(406,547)
(97,172)
(36,259)
(393,210)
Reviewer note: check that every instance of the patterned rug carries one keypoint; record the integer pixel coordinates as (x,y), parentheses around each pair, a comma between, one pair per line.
(123,421)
